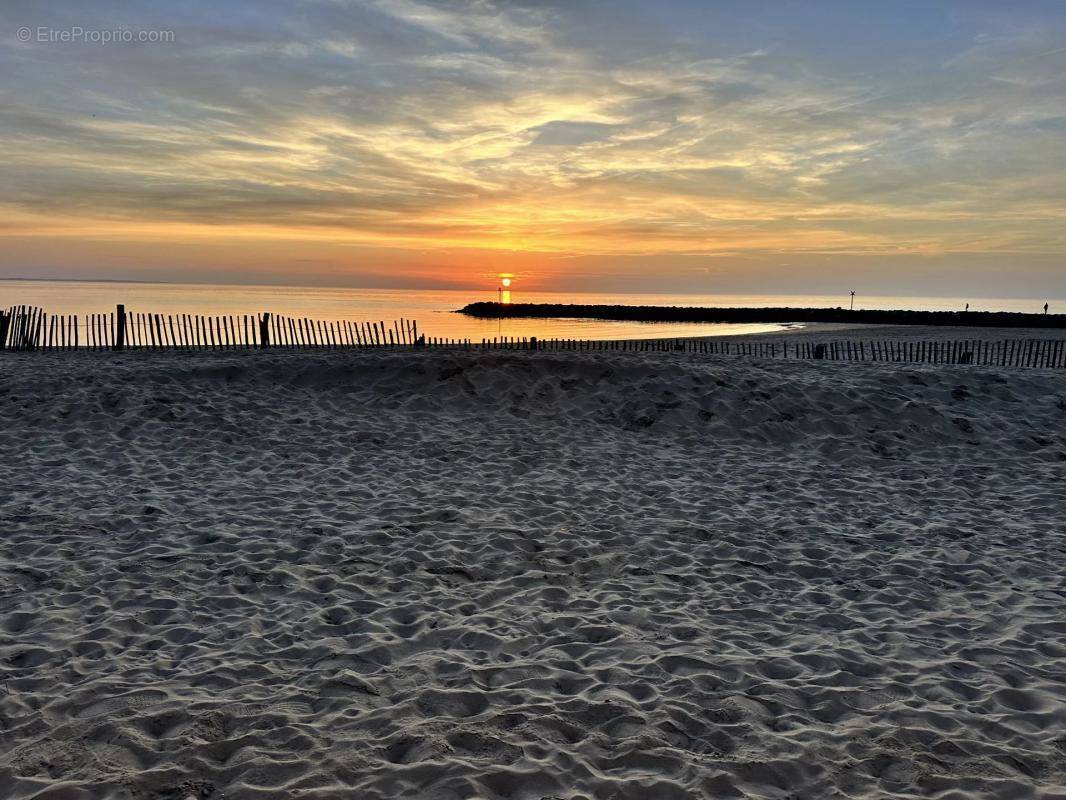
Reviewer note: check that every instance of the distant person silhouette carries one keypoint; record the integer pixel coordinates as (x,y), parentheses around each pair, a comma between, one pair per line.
(1045,308)
(967,306)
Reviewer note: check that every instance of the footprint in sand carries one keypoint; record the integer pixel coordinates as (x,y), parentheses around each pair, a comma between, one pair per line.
(112,705)
(876,698)
(255,709)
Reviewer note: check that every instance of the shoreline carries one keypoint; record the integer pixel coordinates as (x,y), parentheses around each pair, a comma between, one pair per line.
(828,331)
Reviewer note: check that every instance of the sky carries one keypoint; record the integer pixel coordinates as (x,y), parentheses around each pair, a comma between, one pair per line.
(794,146)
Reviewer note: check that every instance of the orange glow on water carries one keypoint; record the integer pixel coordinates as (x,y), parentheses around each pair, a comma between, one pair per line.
(504,291)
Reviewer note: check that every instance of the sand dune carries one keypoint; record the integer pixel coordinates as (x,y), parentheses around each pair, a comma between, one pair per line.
(512,575)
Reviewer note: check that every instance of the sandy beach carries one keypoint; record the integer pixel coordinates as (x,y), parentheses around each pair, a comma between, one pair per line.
(523,576)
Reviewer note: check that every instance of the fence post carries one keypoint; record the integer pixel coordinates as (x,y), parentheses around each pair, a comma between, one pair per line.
(120,327)
(5,323)
(532,342)
(264,329)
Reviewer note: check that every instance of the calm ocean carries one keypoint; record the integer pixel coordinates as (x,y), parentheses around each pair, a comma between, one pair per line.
(433,309)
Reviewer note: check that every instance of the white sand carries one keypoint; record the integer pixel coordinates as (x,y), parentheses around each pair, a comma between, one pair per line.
(445,575)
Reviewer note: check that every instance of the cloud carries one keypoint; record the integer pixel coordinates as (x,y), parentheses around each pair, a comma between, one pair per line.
(569,133)
(542,126)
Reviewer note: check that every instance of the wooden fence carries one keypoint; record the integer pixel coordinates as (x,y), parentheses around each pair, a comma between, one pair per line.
(1005,352)
(29,328)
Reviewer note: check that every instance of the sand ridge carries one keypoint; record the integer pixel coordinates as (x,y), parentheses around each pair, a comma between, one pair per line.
(512,575)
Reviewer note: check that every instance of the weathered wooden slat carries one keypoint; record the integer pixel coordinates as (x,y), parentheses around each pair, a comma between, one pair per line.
(24,326)
(18,322)
(27,325)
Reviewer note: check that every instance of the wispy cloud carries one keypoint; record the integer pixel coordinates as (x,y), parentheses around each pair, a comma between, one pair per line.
(514,126)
